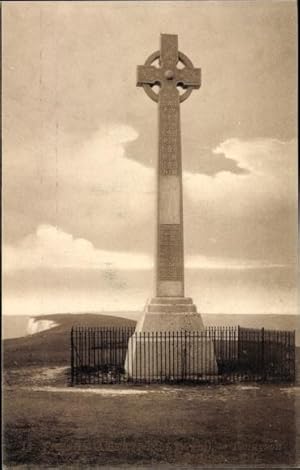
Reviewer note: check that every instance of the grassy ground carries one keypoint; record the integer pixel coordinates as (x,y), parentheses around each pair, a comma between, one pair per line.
(48,424)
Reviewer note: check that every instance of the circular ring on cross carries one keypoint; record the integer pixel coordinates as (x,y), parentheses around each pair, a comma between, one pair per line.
(181,58)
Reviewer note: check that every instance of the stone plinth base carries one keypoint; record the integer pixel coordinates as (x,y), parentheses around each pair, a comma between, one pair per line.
(170,342)
(153,356)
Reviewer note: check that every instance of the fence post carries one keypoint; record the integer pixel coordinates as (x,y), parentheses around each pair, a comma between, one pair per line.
(294,377)
(263,353)
(239,345)
(72,358)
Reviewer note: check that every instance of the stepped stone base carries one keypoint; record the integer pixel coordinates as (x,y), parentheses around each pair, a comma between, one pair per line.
(170,314)
(160,353)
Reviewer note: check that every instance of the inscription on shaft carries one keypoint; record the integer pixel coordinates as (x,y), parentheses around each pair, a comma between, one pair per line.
(170,253)
(169,149)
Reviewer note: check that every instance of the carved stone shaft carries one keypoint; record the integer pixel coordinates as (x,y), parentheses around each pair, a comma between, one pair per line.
(170,258)
(170,254)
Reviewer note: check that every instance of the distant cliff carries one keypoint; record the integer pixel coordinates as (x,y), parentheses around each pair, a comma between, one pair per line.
(36,325)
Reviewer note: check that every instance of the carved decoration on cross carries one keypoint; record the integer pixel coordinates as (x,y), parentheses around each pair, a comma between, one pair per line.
(168,75)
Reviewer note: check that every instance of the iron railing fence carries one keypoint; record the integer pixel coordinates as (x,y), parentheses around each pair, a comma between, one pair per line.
(213,355)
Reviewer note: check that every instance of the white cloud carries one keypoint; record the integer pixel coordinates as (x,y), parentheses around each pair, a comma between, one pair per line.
(53,248)
(99,184)
(101,163)
(96,192)
(272,167)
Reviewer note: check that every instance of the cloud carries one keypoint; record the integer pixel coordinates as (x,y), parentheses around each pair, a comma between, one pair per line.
(270,176)
(101,163)
(52,248)
(271,168)
(251,215)
(103,195)
(96,191)
(90,190)
(213,162)
(102,166)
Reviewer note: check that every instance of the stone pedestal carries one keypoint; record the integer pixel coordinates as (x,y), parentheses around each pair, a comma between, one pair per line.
(170,314)
(170,343)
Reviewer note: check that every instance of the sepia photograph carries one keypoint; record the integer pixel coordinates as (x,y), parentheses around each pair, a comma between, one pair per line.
(150,234)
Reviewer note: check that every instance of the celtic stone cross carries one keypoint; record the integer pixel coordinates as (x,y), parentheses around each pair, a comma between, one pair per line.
(170,261)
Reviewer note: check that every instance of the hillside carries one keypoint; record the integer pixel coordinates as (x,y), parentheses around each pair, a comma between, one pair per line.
(52,347)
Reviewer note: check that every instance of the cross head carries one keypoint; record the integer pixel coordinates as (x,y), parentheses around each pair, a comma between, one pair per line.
(168,75)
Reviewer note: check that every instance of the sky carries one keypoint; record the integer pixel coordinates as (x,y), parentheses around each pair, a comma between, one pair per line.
(80,155)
